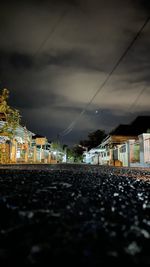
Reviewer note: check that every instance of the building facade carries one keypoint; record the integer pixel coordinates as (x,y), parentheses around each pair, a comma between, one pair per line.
(127,145)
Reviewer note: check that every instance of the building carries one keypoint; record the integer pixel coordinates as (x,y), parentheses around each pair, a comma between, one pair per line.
(14,148)
(128,145)
(93,156)
(41,150)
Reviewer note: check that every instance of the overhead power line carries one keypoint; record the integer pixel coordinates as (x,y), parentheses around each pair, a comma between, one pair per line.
(62,15)
(130,110)
(45,40)
(72,124)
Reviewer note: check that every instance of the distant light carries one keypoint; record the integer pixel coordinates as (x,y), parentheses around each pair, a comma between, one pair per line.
(96,111)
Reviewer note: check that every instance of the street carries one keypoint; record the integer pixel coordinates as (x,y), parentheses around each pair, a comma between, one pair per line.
(74,215)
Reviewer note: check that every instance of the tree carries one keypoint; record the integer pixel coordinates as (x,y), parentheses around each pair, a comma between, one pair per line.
(94,139)
(70,155)
(56,146)
(78,153)
(11,119)
(11,115)
(74,154)
(59,150)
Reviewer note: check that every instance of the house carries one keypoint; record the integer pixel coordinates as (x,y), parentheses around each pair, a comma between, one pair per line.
(114,141)
(14,148)
(20,145)
(129,145)
(93,156)
(17,143)
(40,149)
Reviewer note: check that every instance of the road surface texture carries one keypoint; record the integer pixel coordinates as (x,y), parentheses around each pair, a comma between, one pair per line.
(76,215)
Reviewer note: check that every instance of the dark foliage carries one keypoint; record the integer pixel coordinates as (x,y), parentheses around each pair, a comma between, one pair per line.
(94,139)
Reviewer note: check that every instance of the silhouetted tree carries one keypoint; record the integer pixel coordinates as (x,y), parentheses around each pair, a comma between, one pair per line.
(78,153)
(11,115)
(94,139)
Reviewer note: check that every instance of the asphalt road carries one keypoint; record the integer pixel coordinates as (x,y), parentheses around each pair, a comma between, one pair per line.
(74,215)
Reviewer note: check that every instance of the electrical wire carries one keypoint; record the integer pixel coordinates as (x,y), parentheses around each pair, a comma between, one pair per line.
(130,110)
(62,15)
(72,124)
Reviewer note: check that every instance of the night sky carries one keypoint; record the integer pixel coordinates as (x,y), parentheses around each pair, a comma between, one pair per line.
(55,55)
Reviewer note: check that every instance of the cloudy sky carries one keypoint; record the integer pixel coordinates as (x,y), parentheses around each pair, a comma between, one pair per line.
(55,56)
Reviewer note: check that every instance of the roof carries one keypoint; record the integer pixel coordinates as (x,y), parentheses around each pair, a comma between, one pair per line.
(38,136)
(140,125)
(122,129)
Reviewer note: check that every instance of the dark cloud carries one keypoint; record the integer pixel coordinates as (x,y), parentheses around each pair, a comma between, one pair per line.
(20,61)
(145,4)
(78,59)
(34,99)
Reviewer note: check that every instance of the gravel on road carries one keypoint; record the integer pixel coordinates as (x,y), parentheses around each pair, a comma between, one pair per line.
(74,215)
